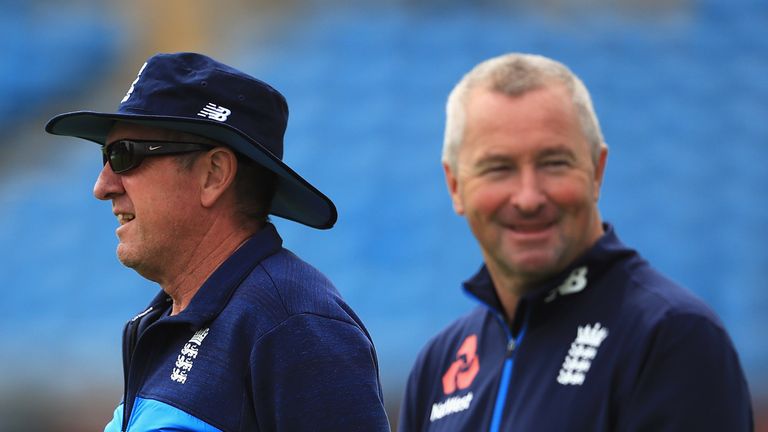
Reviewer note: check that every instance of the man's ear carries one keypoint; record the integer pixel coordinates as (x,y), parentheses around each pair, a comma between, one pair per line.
(451,179)
(600,171)
(218,168)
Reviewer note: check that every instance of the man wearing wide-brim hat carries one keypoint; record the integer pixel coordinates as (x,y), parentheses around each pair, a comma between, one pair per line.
(244,335)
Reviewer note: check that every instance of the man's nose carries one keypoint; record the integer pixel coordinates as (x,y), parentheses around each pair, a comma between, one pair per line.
(108,184)
(529,197)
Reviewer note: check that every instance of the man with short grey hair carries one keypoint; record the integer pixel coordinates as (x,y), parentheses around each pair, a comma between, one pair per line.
(574,330)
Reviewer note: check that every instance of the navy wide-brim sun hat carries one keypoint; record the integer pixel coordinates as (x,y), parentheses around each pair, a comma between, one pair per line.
(193,93)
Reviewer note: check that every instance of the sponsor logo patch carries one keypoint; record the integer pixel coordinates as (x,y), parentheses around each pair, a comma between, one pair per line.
(463,371)
(459,376)
(450,406)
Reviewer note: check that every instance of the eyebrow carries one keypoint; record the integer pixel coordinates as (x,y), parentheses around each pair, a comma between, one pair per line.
(492,158)
(554,150)
(557,150)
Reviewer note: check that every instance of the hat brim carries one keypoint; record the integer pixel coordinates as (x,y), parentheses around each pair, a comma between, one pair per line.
(295,198)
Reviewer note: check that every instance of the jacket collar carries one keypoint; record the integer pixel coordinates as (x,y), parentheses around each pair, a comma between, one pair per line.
(216,291)
(596,260)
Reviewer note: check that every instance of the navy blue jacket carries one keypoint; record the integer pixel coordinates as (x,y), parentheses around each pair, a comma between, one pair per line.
(608,345)
(266,344)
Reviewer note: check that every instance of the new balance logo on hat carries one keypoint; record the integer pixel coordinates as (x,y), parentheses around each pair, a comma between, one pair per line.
(215,112)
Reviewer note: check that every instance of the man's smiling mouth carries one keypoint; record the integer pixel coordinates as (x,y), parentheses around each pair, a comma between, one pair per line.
(124,218)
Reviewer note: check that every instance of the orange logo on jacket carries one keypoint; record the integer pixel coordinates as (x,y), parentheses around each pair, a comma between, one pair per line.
(463,371)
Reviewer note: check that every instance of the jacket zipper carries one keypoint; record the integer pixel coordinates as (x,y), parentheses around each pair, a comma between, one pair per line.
(509,362)
(506,374)
(130,344)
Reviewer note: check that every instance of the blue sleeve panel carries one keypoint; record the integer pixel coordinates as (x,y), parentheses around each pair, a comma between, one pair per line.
(151,415)
(117,420)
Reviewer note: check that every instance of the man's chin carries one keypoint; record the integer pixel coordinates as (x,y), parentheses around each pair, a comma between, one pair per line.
(125,257)
(536,265)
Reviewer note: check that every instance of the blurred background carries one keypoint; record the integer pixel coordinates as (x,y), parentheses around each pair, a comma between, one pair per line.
(680,86)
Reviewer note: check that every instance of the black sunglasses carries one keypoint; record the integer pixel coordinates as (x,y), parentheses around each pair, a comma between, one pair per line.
(124,155)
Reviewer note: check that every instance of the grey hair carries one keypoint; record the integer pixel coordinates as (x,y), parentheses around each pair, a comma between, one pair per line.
(514,75)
